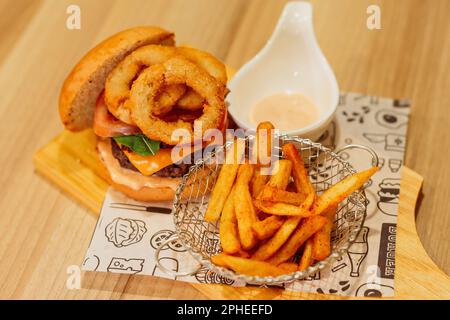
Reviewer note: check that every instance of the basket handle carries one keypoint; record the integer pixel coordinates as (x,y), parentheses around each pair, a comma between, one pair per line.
(168,271)
(375,159)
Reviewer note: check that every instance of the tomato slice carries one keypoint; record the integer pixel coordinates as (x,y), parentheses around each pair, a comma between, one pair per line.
(106,125)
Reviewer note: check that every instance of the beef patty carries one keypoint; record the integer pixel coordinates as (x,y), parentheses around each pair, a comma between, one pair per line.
(172,171)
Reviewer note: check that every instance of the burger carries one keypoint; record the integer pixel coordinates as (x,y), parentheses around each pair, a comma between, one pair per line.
(389,196)
(134,90)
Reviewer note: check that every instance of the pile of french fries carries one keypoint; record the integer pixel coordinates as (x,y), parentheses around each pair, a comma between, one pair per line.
(267,222)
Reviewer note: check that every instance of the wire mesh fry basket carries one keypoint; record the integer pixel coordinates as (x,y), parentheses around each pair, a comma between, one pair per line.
(201,238)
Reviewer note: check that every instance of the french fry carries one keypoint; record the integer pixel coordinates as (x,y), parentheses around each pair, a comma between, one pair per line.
(245,212)
(219,260)
(258,181)
(281,236)
(292,214)
(285,209)
(304,231)
(262,215)
(280,177)
(266,228)
(330,213)
(247,266)
(243,254)
(299,172)
(268,248)
(341,190)
(277,195)
(263,143)
(321,240)
(291,187)
(224,183)
(307,259)
(229,237)
(289,267)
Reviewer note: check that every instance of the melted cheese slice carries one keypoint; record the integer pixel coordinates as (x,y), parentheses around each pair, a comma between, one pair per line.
(148,165)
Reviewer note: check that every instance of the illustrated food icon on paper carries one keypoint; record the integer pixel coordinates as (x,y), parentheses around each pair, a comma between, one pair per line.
(343,286)
(391,119)
(170,263)
(395,165)
(355,115)
(124,232)
(392,142)
(91,262)
(373,289)
(389,193)
(129,266)
(205,275)
(358,251)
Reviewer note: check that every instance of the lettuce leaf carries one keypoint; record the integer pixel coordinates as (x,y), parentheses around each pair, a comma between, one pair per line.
(139,143)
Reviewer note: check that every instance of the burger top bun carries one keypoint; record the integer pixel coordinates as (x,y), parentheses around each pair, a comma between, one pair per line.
(87,79)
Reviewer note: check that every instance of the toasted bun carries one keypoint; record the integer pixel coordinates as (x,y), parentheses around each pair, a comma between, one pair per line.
(87,79)
(143,194)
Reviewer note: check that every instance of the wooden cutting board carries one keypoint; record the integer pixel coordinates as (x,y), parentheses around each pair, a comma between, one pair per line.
(71,162)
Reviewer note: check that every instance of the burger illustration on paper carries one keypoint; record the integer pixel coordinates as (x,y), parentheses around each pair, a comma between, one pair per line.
(124,232)
(389,193)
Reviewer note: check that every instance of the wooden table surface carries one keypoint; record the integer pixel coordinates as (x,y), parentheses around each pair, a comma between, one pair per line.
(43,231)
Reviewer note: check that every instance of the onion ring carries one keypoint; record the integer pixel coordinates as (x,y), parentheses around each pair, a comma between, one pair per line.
(206,61)
(185,115)
(175,71)
(191,100)
(168,97)
(117,86)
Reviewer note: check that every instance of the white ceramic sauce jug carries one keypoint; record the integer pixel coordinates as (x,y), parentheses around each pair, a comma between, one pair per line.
(290,62)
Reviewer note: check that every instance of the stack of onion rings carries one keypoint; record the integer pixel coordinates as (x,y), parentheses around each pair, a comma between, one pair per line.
(117,87)
(182,96)
(178,70)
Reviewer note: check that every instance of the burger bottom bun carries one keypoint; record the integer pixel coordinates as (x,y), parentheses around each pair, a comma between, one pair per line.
(144,194)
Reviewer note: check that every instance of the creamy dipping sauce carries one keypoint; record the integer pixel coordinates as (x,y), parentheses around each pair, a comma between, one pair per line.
(285,111)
